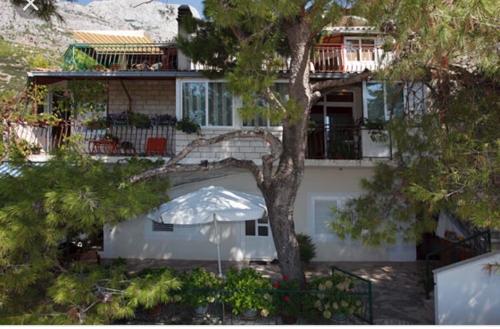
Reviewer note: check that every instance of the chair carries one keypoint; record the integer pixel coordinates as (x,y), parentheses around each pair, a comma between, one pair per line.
(156,146)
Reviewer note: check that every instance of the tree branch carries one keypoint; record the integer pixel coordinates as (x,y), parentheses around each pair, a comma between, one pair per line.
(318,87)
(173,164)
(265,135)
(203,166)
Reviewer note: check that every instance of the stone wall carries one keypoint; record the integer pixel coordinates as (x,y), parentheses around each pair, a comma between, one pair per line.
(245,149)
(148,97)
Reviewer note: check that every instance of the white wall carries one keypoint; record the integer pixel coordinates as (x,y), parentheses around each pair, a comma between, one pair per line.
(134,239)
(466,294)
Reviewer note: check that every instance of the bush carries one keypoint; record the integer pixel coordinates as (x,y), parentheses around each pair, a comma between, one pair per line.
(331,296)
(307,248)
(247,290)
(200,287)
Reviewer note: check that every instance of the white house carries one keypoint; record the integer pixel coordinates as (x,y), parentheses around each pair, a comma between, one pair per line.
(159,81)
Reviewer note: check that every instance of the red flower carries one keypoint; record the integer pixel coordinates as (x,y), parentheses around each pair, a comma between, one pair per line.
(276,285)
(286,299)
(285,277)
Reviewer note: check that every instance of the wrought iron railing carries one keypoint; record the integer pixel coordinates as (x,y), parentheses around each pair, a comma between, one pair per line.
(475,245)
(114,139)
(334,142)
(363,291)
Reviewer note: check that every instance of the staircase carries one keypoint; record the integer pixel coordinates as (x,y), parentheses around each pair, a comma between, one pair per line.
(475,245)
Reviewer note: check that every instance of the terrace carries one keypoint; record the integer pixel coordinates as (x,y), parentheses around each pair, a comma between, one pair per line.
(116,57)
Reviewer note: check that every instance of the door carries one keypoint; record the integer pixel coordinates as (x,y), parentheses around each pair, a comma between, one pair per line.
(258,241)
(340,132)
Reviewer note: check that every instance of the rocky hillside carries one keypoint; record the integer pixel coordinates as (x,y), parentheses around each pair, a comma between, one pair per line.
(23,34)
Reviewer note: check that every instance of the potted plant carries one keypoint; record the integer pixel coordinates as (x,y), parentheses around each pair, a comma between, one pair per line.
(188,126)
(139,120)
(248,293)
(200,288)
(95,123)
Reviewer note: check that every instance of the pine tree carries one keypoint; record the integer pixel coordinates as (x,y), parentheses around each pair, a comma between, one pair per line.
(447,159)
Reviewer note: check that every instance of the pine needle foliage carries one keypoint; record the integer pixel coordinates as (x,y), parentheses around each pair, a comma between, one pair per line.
(447,158)
(46,205)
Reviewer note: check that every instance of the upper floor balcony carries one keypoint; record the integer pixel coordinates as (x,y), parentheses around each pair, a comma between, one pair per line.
(111,57)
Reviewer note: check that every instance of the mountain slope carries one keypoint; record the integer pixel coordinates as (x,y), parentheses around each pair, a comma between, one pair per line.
(24,34)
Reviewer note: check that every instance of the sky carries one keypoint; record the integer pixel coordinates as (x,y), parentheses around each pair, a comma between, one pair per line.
(195,3)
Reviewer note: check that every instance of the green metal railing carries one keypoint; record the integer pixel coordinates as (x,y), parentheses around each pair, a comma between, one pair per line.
(363,290)
(220,311)
(475,245)
(118,57)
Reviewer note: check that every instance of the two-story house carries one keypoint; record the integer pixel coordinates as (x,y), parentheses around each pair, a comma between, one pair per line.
(163,85)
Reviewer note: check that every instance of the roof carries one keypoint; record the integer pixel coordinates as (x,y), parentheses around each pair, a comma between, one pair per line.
(111,37)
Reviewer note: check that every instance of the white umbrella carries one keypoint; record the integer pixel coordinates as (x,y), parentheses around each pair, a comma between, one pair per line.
(211,204)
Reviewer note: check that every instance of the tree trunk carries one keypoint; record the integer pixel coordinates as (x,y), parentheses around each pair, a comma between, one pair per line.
(281,192)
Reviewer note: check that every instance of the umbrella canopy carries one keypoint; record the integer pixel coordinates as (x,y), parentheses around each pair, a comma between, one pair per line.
(209,204)
(213,204)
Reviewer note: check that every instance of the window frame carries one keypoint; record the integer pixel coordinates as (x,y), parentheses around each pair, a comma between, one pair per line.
(359,46)
(257,225)
(180,103)
(387,115)
(341,199)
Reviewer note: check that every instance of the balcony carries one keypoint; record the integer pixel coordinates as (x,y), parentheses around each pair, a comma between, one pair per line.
(164,57)
(334,142)
(341,59)
(121,57)
(117,137)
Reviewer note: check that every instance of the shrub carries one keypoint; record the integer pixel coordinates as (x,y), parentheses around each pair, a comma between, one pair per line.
(307,248)
(248,290)
(287,297)
(331,296)
(200,287)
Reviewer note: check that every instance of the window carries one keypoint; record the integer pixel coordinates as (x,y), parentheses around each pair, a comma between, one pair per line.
(360,49)
(383,100)
(263,120)
(207,103)
(323,216)
(193,101)
(257,227)
(161,227)
(374,96)
(220,105)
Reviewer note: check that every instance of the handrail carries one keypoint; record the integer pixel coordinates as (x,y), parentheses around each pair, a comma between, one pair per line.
(484,247)
(368,293)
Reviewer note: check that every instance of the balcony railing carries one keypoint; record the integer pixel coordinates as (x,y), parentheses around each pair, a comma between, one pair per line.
(116,139)
(343,59)
(121,57)
(163,57)
(334,142)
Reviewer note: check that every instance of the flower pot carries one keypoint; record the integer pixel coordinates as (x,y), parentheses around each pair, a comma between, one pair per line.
(201,310)
(288,319)
(250,314)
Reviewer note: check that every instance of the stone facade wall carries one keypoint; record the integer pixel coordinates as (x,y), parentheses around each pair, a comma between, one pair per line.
(148,97)
(245,149)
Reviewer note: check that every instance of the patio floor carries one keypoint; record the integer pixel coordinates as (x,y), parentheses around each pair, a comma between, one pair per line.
(398,291)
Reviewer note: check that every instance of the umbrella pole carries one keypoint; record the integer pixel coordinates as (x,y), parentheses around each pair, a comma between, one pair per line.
(219,262)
